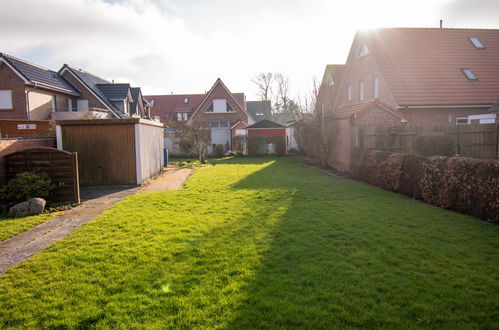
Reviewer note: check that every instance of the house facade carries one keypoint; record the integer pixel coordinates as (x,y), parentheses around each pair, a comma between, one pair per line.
(409,76)
(222,112)
(31,92)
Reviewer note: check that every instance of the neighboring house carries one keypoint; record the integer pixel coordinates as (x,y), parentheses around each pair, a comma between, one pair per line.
(28,91)
(259,110)
(222,112)
(424,76)
(415,76)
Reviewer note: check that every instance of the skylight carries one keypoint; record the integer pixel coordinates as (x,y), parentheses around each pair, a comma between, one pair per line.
(469,74)
(476,42)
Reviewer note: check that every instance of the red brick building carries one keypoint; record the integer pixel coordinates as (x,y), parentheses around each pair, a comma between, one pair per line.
(416,76)
(219,110)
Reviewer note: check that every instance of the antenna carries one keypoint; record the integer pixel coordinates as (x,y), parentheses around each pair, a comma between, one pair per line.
(441,23)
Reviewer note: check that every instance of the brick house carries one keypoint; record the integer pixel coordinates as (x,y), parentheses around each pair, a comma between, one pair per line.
(31,92)
(416,76)
(222,112)
(28,91)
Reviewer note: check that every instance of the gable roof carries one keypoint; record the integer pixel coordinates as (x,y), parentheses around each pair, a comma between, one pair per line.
(332,74)
(90,81)
(136,95)
(239,104)
(115,92)
(38,75)
(259,109)
(266,124)
(360,108)
(422,66)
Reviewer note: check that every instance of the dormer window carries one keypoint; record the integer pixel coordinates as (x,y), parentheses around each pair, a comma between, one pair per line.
(186,100)
(469,74)
(363,51)
(476,42)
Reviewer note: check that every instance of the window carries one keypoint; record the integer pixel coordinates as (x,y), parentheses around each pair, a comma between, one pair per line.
(349,92)
(461,120)
(363,51)
(476,42)
(186,100)
(361,91)
(81,105)
(5,99)
(219,106)
(229,108)
(469,74)
(70,105)
(181,116)
(375,87)
(167,115)
(54,104)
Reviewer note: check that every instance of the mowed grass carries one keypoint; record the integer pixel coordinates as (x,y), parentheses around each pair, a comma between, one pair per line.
(11,227)
(262,243)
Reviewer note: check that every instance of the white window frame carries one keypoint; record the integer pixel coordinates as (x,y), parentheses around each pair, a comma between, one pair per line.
(361,91)
(186,100)
(219,106)
(349,92)
(6,99)
(54,103)
(82,105)
(375,88)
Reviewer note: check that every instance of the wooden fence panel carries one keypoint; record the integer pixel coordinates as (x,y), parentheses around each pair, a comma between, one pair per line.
(61,166)
(477,140)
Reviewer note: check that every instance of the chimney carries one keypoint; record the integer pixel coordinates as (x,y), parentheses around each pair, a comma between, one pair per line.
(441,23)
(112,81)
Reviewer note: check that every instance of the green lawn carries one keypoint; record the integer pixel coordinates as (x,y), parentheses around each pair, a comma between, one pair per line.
(262,243)
(12,227)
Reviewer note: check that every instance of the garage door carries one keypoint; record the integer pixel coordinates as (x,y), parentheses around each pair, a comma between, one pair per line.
(221,136)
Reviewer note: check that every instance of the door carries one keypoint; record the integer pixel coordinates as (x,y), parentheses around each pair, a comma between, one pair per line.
(221,136)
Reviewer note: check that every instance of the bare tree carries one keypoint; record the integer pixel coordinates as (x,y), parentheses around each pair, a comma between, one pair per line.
(264,81)
(193,139)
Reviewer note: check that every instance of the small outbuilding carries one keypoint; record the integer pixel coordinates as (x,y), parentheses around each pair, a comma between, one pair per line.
(266,137)
(113,151)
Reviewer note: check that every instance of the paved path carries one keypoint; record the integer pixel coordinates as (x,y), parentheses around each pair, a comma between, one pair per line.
(96,199)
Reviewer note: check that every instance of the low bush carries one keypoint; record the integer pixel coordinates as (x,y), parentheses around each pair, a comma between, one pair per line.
(27,185)
(466,185)
(253,144)
(434,145)
(280,144)
(219,150)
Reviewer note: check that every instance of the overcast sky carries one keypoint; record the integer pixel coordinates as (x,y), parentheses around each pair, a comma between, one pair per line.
(182,46)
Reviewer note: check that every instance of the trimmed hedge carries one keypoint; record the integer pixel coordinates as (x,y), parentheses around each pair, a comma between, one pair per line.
(466,185)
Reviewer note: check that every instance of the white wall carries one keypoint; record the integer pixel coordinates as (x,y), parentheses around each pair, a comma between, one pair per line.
(290,139)
(149,150)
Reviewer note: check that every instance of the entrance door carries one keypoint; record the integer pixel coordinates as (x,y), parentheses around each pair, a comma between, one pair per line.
(221,136)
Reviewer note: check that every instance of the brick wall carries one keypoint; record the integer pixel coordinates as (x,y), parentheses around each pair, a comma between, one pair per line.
(441,116)
(9,80)
(9,146)
(377,117)
(93,102)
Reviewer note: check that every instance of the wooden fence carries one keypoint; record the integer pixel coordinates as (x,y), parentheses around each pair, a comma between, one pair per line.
(60,165)
(25,128)
(477,140)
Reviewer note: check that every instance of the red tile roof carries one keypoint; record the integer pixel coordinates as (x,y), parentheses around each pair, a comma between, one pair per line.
(423,65)
(175,103)
(358,109)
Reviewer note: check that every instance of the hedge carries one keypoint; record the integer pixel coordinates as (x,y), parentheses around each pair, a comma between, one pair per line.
(466,185)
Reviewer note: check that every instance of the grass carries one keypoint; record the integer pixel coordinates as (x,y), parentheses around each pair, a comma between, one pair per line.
(262,243)
(11,227)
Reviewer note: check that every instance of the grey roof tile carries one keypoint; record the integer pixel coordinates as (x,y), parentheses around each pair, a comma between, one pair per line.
(37,74)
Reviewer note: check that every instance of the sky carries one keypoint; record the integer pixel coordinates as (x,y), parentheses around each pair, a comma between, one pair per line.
(183,46)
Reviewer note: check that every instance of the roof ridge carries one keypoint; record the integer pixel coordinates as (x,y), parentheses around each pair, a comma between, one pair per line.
(27,62)
(85,71)
(430,28)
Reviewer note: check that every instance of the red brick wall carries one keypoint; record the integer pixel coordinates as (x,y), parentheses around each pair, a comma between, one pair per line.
(441,116)
(220,93)
(376,117)
(93,102)
(268,133)
(9,80)
(9,146)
